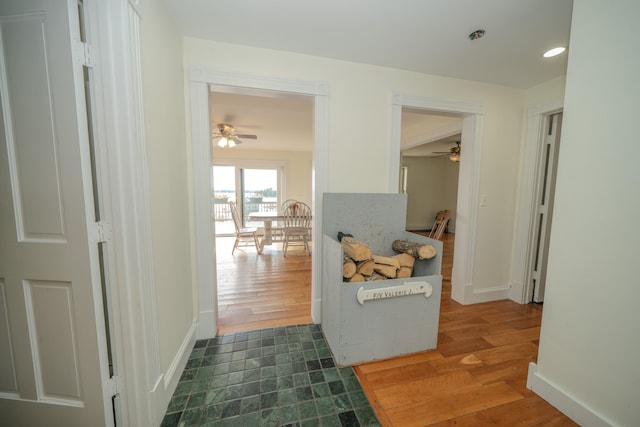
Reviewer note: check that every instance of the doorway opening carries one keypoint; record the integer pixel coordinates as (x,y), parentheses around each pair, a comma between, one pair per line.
(430,169)
(200,88)
(471,117)
(257,287)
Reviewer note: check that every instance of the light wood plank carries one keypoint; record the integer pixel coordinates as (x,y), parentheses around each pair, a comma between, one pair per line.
(445,406)
(523,335)
(261,291)
(415,391)
(400,361)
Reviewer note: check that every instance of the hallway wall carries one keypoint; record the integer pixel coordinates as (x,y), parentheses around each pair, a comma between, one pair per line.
(161,49)
(432,185)
(587,363)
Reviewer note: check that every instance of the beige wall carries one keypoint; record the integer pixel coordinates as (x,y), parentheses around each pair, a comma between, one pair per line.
(299,165)
(432,185)
(359,129)
(589,341)
(548,92)
(161,47)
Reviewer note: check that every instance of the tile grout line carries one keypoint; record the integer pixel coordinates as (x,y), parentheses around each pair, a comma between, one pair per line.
(282,376)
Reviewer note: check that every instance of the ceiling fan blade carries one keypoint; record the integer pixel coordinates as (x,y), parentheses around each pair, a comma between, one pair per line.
(246,136)
(236,140)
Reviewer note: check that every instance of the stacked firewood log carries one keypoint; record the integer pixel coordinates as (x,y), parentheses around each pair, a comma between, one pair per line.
(361,265)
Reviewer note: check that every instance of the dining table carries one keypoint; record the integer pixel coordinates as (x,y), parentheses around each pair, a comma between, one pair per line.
(267,218)
(270,233)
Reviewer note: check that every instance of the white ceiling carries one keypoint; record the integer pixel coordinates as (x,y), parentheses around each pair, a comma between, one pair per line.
(427,36)
(281,121)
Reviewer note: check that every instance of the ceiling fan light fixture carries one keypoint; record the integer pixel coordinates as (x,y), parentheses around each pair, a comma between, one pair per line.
(554,52)
(455,157)
(228,136)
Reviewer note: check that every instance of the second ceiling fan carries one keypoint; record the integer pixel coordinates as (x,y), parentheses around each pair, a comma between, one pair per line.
(229,137)
(453,153)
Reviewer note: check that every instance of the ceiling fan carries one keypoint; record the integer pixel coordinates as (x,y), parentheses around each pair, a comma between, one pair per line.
(228,136)
(453,153)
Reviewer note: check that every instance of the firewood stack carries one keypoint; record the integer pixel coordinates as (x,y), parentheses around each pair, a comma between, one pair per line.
(361,265)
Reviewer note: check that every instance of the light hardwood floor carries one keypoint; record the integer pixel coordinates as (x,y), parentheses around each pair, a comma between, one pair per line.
(475,377)
(261,291)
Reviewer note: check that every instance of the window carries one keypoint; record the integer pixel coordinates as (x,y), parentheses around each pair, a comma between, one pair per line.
(253,187)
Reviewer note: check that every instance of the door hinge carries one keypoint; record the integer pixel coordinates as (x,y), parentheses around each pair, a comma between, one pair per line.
(84,55)
(103,231)
(113,385)
(88,56)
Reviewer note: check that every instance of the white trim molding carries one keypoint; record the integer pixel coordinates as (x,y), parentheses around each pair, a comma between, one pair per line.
(476,296)
(123,180)
(180,360)
(563,401)
(320,185)
(205,251)
(469,182)
(174,371)
(223,78)
(520,287)
(200,79)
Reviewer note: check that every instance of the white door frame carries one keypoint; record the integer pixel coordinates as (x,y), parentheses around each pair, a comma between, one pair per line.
(521,289)
(114,36)
(468,183)
(200,79)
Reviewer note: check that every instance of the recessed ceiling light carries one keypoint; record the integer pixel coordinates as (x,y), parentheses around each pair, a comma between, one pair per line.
(553,52)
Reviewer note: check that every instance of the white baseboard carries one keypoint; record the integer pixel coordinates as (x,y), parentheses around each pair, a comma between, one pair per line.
(476,296)
(516,292)
(316,311)
(562,400)
(421,227)
(173,374)
(207,325)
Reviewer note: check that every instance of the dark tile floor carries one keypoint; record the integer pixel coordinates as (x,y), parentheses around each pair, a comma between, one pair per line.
(272,377)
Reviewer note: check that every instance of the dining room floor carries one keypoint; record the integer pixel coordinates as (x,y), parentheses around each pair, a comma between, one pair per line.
(282,376)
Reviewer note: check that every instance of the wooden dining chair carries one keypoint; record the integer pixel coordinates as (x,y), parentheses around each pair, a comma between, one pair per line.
(245,236)
(277,229)
(286,203)
(440,224)
(297,223)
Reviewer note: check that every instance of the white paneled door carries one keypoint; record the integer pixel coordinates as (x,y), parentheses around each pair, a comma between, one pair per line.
(547,184)
(53,356)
